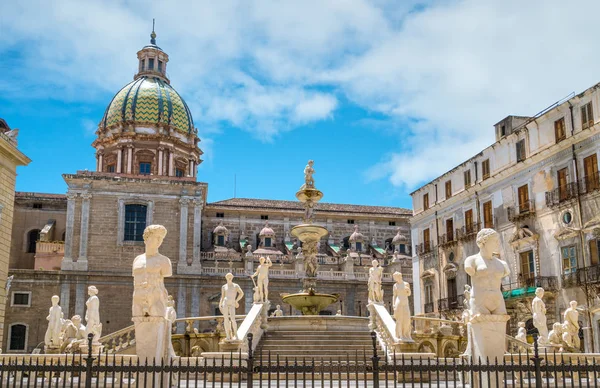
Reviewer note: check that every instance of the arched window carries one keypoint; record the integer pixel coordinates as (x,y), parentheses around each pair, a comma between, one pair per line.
(32,237)
(17,337)
(135,222)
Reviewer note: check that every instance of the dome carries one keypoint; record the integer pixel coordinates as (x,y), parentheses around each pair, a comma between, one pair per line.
(356,236)
(148,100)
(399,239)
(266,231)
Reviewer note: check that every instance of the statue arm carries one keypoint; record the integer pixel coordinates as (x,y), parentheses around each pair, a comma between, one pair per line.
(269,262)
(222,296)
(506,269)
(240,294)
(407,288)
(470,266)
(167,270)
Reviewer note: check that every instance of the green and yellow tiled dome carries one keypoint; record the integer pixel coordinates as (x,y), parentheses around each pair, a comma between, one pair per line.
(149,100)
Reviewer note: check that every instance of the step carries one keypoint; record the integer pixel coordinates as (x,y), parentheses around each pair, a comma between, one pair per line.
(297,343)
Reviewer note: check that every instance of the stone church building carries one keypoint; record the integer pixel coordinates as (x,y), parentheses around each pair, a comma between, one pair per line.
(147,154)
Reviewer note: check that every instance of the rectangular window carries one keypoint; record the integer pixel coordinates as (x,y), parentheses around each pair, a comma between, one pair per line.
(527,265)
(425,201)
(221,240)
(428,294)
(560,133)
(402,248)
(587,116)
(503,130)
(448,186)
(145,168)
(267,242)
(469,221)
(135,222)
(264,217)
(485,169)
(160,66)
(590,171)
(521,150)
(358,246)
(450,229)
(523,193)
(426,242)
(220,215)
(594,252)
(467,178)
(37,206)
(110,168)
(561,176)
(452,292)
(350,221)
(488,215)
(21,299)
(18,336)
(569,259)
(179,172)
(150,63)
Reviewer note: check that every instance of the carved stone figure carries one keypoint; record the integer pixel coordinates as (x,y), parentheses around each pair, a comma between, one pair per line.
(486,271)
(555,336)
(73,335)
(401,292)
(521,333)
(171,314)
(467,297)
(278,312)
(149,271)
(374,283)
(262,281)
(309,252)
(571,326)
(55,324)
(338,313)
(538,308)
(93,324)
(231,294)
(309,182)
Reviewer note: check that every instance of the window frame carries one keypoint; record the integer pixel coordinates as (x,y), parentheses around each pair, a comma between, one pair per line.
(530,256)
(220,240)
(179,173)
(111,168)
(572,268)
(149,168)
(121,217)
(467,178)
(426,201)
(587,115)
(491,207)
(358,246)
(220,215)
(560,125)
(12,299)
(29,244)
(350,221)
(520,150)
(137,235)
(485,169)
(9,339)
(448,188)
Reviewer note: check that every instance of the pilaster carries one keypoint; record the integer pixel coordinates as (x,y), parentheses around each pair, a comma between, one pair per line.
(81,262)
(129,158)
(119,159)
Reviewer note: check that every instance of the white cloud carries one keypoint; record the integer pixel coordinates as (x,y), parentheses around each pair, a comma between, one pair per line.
(439,74)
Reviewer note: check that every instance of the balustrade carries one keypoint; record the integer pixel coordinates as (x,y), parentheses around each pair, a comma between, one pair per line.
(523,210)
(561,194)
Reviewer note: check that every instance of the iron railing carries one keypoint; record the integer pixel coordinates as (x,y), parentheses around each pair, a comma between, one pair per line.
(448,239)
(425,247)
(452,303)
(548,283)
(561,194)
(589,184)
(360,368)
(581,277)
(468,231)
(521,211)
(428,307)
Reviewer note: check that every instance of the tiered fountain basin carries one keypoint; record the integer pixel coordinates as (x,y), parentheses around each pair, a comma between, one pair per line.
(310,303)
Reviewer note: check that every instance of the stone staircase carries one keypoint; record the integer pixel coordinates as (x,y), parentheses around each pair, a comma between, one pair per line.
(323,338)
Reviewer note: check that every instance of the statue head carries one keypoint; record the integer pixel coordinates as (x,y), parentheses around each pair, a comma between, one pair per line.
(488,240)
(170,301)
(522,324)
(262,260)
(55,299)
(467,288)
(92,291)
(573,304)
(278,307)
(557,326)
(229,277)
(539,292)
(375,263)
(397,276)
(154,235)
(311,162)
(76,319)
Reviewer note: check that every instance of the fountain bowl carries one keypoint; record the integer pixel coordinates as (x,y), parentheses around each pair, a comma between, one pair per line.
(308,232)
(310,303)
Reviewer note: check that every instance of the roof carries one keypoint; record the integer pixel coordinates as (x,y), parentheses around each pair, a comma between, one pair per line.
(39,196)
(272,204)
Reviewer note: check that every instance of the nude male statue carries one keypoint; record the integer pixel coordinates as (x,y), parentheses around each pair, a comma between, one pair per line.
(487,271)
(538,308)
(374,283)
(262,282)
(231,293)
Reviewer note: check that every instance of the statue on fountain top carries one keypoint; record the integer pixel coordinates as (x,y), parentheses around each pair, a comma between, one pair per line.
(309,182)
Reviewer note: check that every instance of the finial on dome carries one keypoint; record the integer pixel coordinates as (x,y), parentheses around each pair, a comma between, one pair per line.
(153,34)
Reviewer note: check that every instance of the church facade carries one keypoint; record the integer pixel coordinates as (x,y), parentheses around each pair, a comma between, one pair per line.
(147,154)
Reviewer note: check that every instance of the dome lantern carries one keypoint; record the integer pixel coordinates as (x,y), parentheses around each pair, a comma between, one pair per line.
(152,60)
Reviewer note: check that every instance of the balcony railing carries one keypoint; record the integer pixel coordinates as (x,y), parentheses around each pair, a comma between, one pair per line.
(548,283)
(589,184)
(425,248)
(452,303)
(50,247)
(524,210)
(468,231)
(581,277)
(428,307)
(448,239)
(561,194)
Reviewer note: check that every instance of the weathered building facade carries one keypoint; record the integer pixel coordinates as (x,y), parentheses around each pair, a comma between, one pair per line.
(147,153)
(538,186)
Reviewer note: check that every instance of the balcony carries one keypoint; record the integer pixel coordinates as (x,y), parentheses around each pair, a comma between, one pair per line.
(428,307)
(48,255)
(561,195)
(452,303)
(524,210)
(589,184)
(448,239)
(468,232)
(425,248)
(581,277)
(527,284)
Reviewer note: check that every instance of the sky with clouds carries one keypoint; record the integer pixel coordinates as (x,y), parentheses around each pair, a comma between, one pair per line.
(383,95)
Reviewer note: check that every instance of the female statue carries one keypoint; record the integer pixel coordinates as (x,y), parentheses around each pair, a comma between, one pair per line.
(93,324)
(401,292)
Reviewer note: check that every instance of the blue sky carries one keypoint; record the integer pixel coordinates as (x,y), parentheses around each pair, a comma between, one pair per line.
(383,95)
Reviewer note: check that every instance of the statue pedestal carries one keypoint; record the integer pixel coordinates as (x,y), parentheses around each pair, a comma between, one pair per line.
(488,342)
(408,347)
(230,346)
(52,349)
(152,336)
(183,268)
(97,348)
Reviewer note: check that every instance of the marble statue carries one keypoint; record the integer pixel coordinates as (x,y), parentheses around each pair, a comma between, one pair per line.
(262,281)
(401,292)
(171,314)
(538,308)
(231,294)
(338,313)
(487,271)
(309,182)
(309,211)
(8,283)
(149,270)
(73,335)
(93,325)
(521,333)
(570,326)
(467,297)
(374,283)
(555,336)
(55,324)
(309,253)
(278,312)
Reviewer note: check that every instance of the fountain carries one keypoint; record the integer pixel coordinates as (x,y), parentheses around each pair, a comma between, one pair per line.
(309,302)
